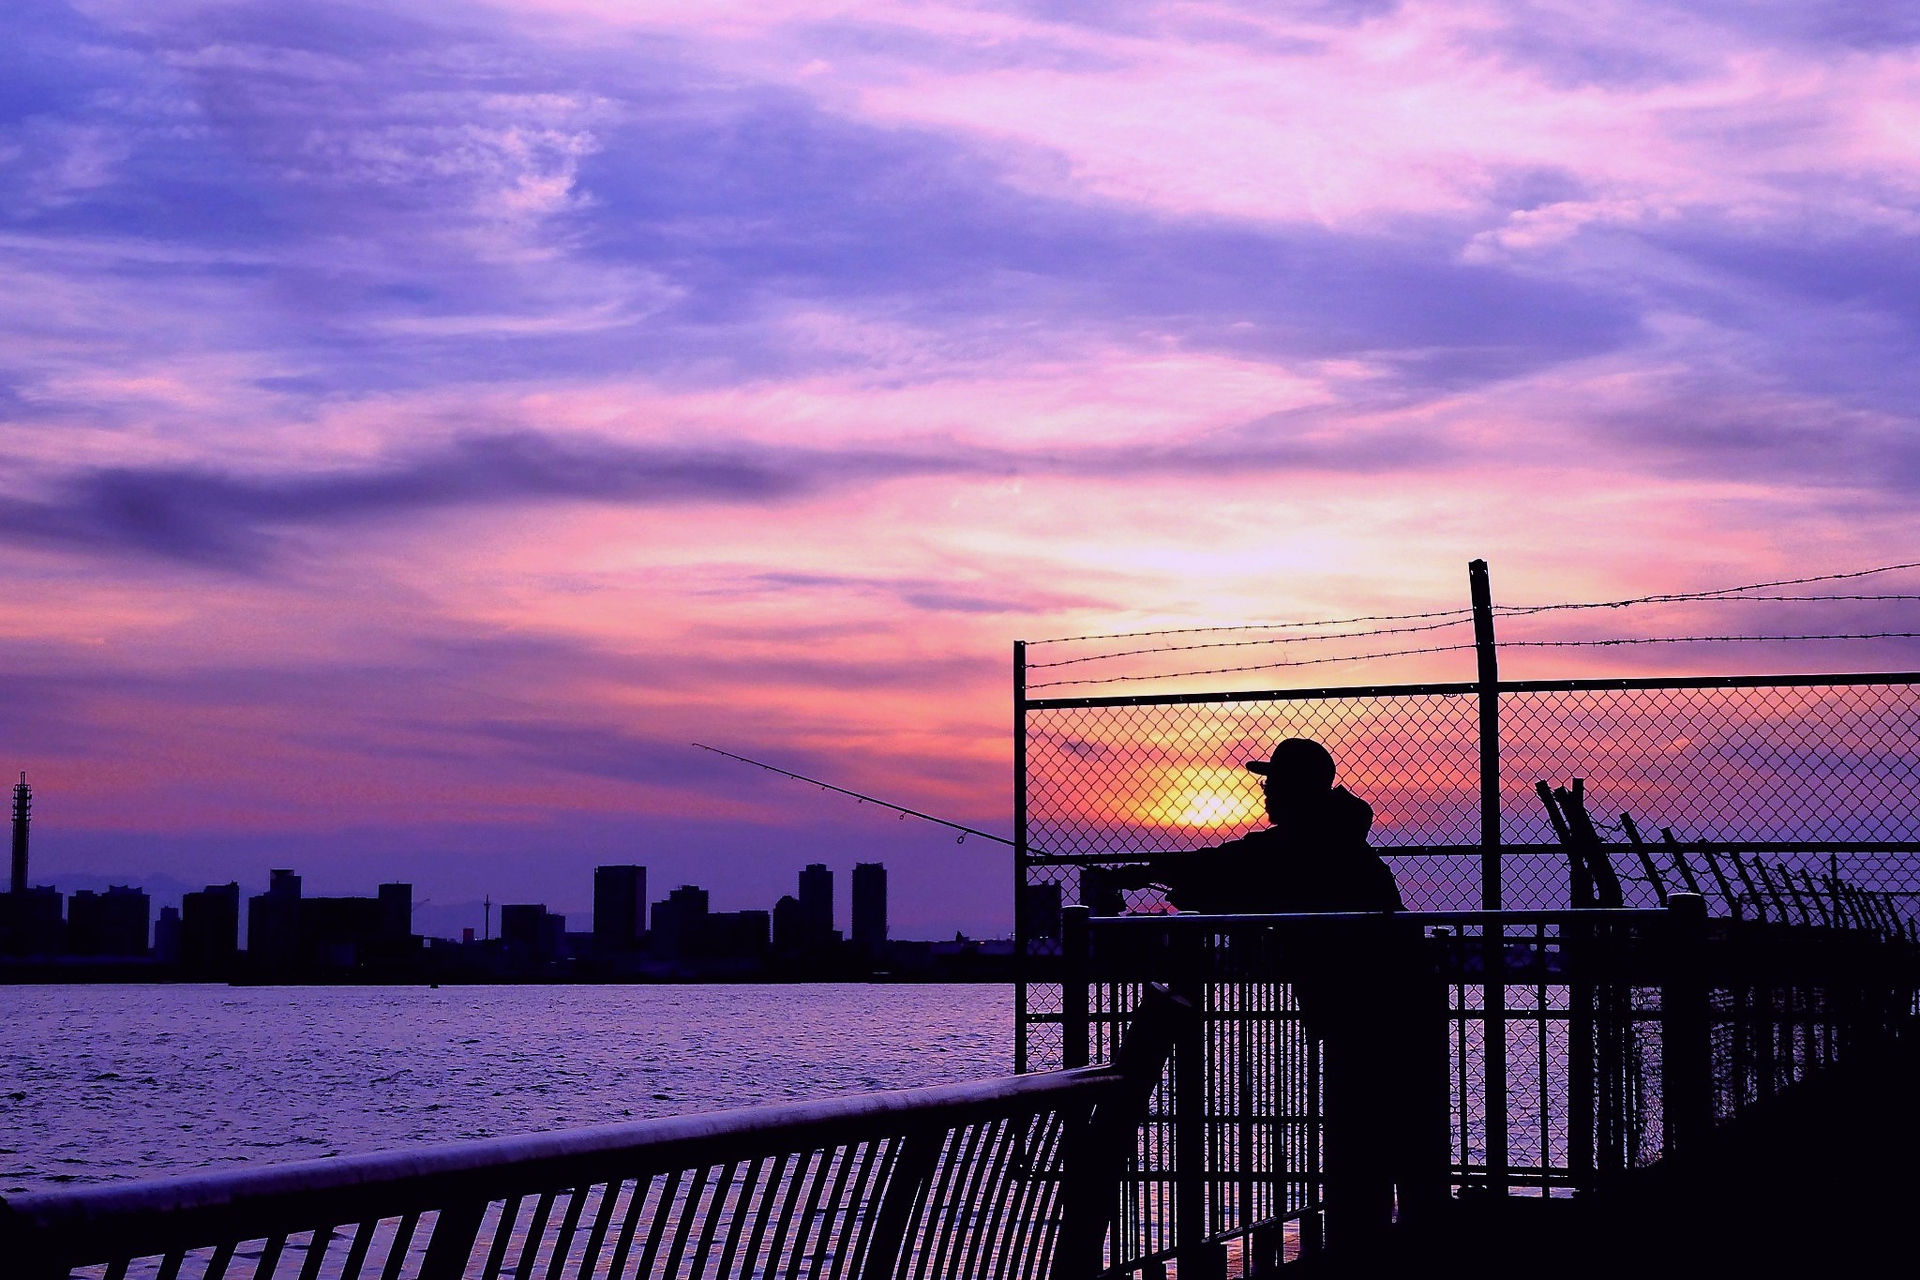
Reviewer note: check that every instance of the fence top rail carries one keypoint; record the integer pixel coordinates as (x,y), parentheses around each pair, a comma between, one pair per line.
(1462,687)
(153,1215)
(1843,848)
(1194,920)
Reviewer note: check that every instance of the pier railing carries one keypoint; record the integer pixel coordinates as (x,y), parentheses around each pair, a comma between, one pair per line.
(1009,1179)
(1538,1052)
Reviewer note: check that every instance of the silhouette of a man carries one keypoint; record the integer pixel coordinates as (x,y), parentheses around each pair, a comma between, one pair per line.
(1359,987)
(1313,856)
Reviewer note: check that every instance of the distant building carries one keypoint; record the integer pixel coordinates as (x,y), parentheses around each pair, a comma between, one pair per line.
(31,921)
(734,935)
(396,914)
(816,906)
(870,909)
(679,921)
(273,924)
(113,923)
(1042,903)
(166,936)
(619,908)
(340,933)
(789,937)
(210,930)
(532,933)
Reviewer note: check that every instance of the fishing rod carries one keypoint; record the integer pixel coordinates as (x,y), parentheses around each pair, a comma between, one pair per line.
(864,798)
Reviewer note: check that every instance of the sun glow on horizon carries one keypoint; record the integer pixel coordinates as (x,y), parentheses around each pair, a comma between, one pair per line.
(1213,799)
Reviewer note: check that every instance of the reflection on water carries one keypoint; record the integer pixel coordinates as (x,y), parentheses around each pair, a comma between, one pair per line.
(101,1083)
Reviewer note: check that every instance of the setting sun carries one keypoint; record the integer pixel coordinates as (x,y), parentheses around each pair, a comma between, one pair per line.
(1220,798)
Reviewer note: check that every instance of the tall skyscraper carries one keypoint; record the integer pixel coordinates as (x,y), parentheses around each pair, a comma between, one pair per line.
(870,909)
(619,907)
(816,905)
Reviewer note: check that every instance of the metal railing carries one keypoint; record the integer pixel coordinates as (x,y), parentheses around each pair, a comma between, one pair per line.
(1009,1179)
(1536,1052)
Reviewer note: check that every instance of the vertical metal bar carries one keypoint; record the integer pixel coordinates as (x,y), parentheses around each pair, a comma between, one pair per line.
(1190,1102)
(690,1209)
(1713,864)
(1686,1052)
(1076,974)
(502,1237)
(569,1224)
(396,1251)
(803,1177)
(915,1161)
(636,1205)
(536,1229)
(170,1265)
(1489,680)
(1746,882)
(1022,964)
(263,1270)
(597,1237)
(1647,866)
(716,1209)
(859,1216)
(357,1251)
(742,1210)
(826,1242)
(662,1212)
(1312,1221)
(1494,1040)
(317,1245)
(778,1180)
(1046,1215)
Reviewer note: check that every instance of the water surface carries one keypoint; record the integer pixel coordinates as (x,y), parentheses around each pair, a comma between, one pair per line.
(111,1082)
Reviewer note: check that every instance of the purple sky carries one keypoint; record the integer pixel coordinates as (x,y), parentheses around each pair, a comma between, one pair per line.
(420,421)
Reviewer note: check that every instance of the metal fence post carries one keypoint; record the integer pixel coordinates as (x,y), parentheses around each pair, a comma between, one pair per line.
(1022,942)
(451,1247)
(1494,956)
(1686,1050)
(1190,1109)
(1076,978)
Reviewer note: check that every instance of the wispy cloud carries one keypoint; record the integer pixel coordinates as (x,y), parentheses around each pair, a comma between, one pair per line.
(395,395)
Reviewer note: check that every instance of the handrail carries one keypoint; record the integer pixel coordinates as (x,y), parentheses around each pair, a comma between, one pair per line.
(178,1212)
(1059,1132)
(1196,920)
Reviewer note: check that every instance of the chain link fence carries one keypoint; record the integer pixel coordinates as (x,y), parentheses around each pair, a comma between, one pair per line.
(1812,774)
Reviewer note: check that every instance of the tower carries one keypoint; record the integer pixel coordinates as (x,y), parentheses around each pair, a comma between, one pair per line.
(816,905)
(870,909)
(22,815)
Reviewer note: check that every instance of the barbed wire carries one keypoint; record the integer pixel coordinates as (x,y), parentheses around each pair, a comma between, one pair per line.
(1717,595)
(1258,666)
(1503,644)
(1241,644)
(1514,611)
(1578,644)
(1261,626)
